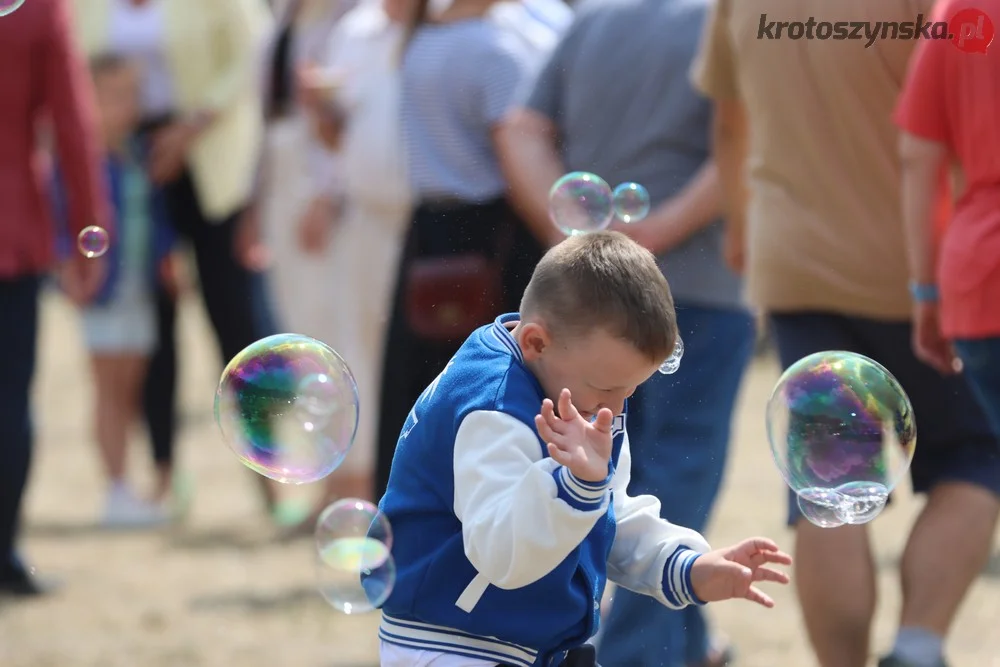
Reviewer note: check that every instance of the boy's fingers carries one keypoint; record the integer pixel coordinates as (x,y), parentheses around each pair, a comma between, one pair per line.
(755,595)
(605,418)
(773,576)
(558,455)
(552,421)
(777,557)
(544,430)
(762,544)
(566,408)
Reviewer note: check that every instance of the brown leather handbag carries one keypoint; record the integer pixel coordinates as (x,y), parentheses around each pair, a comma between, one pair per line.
(448,297)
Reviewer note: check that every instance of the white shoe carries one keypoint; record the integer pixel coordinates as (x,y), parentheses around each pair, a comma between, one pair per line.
(124,510)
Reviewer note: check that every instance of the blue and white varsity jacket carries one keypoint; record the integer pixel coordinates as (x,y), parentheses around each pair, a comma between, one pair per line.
(502,554)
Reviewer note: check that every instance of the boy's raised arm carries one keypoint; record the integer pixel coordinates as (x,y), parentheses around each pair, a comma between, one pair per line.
(650,556)
(521,512)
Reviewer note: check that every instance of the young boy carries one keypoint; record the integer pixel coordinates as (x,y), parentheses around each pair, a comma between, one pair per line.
(507,495)
(120,325)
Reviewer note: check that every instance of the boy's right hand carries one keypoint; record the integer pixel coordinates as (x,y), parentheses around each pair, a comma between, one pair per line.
(583,447)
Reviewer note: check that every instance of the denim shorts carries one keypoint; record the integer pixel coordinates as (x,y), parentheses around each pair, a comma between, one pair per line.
(124,325)
(954,438)
(981,359)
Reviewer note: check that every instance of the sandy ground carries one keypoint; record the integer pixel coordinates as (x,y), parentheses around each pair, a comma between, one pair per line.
(219,591)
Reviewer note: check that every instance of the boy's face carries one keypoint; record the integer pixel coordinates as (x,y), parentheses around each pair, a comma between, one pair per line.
(599,370)
(117,92)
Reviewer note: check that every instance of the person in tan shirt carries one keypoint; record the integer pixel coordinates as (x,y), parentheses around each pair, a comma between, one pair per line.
(806,148)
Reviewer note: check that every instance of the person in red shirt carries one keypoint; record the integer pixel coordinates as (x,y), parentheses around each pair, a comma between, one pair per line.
(45,81)
(948,112)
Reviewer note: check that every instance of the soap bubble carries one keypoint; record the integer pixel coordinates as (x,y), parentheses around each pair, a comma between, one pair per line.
(631,202)
(356,568)
(352,518)
(842,433)
(93,241)
(820,507)
(10,6)
(287,406)
(673,362)
(581,202)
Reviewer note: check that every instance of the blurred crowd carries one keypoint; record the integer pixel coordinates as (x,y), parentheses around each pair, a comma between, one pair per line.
(375,174)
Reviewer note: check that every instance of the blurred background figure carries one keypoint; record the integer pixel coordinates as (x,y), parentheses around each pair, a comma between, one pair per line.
(947,112)
(807,151)
(359,118)
(297,196)
(120,325)
(204,125)
(467,257)
(47,80)
(298,191)
(679,424)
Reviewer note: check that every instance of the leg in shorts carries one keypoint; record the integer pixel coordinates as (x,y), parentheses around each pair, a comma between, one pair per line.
(954,439)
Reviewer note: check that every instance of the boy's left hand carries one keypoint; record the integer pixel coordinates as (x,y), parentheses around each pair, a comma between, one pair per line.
(574,442)
(730,573)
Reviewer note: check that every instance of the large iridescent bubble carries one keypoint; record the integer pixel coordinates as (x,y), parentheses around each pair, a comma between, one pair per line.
(842,433)
(288,407)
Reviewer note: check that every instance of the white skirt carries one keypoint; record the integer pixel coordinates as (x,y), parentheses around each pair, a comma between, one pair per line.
(342,295)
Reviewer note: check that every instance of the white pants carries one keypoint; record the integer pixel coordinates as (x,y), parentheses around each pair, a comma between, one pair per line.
(398,656)
(365,254)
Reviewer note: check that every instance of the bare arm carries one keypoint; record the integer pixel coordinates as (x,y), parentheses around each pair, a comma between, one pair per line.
(526,145)
(729,149)
(696,206)
(922,160)
(69,100)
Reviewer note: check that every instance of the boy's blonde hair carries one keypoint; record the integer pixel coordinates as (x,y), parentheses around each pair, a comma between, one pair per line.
(604,280)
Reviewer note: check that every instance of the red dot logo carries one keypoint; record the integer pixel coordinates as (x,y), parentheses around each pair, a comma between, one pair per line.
(971,30)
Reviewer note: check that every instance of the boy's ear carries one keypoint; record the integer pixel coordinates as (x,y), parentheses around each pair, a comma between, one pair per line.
(534,339)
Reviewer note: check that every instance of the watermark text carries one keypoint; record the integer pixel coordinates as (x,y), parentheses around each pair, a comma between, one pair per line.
(969,30)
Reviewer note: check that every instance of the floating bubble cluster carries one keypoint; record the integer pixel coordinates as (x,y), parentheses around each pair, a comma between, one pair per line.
(673,362)
(581,202)
(356,568)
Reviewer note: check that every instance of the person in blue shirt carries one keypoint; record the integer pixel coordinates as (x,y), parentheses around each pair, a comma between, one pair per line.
(507,493)
(119,326)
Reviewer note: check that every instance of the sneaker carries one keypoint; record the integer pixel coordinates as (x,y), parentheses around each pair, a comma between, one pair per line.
(893,661)
(124,510)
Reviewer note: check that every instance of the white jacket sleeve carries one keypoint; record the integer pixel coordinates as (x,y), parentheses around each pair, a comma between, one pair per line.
(521,512)
(650,556)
